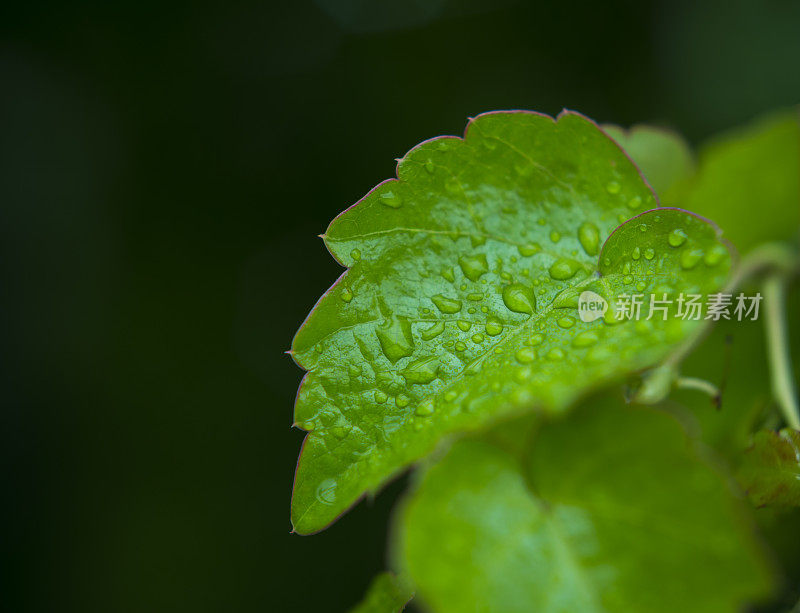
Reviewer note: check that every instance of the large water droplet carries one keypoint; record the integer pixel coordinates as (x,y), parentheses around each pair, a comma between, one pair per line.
(381,396)
(402,400)
(585,339)
(715,255)
(473,266)
(346,294)
(519,298)
(529,249)
(649,253)
(460,346)
(464,326)
(421,371)
(563,269)
(677,237)
(690,258)
(526,355)
(613,187)
(326,491)
(634,203)
(432,332)
(636,253)
(493,326)
(391,199)
(566,322)
(478,338)
(395,338)
(446,305)
(425,408)
(589,237)
(556,354)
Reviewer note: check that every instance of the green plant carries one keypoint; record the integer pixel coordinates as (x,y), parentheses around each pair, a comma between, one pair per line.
(462,340)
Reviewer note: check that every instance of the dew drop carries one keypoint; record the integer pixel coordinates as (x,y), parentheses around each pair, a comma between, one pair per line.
(642,227)
(519,298)
(432,332)
(526,355)
(640,286)
(589,237)
(563,269)
(523,374)
(715,255)
(447,273)
(355,254)
(326,492)
(585,339)
(493,326)
(353,370)
(536,339)
(677,237)
(395,339)
(450,395)
(627,279)
(421,371)
(429,166)
(446,305)
(477,338)
(649,253)
(566,322)
(346,295)
(392,199)
(555,236)
(613,187)
(636,253)
(690,258)
(529,249)
(402,400)
(464,326)
(380,396)
(460,346)
(556,354)
(425,408)
(634,203)
(473,266)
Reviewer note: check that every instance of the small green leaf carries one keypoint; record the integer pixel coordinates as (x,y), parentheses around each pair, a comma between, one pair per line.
(770,472)
(747,180)
(662,155)
(386,594)
(462,306)
(611,511)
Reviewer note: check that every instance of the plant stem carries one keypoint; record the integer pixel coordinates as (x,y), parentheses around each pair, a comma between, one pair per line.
(701,385)
(780,360)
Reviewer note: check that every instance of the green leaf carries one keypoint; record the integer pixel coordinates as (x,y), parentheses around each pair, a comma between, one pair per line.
(459,307)
(613,510)
(386,594)
(662,155)
(770,472)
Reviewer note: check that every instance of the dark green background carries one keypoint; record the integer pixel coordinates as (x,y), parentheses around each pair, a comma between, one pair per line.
(165,170)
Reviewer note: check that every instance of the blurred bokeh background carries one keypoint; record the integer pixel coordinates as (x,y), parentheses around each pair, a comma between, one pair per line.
(165,171)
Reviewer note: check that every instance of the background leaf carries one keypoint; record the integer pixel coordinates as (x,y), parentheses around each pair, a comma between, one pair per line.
(611,511)
(663,156)
(770,472)
(386,594)
(459,306)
